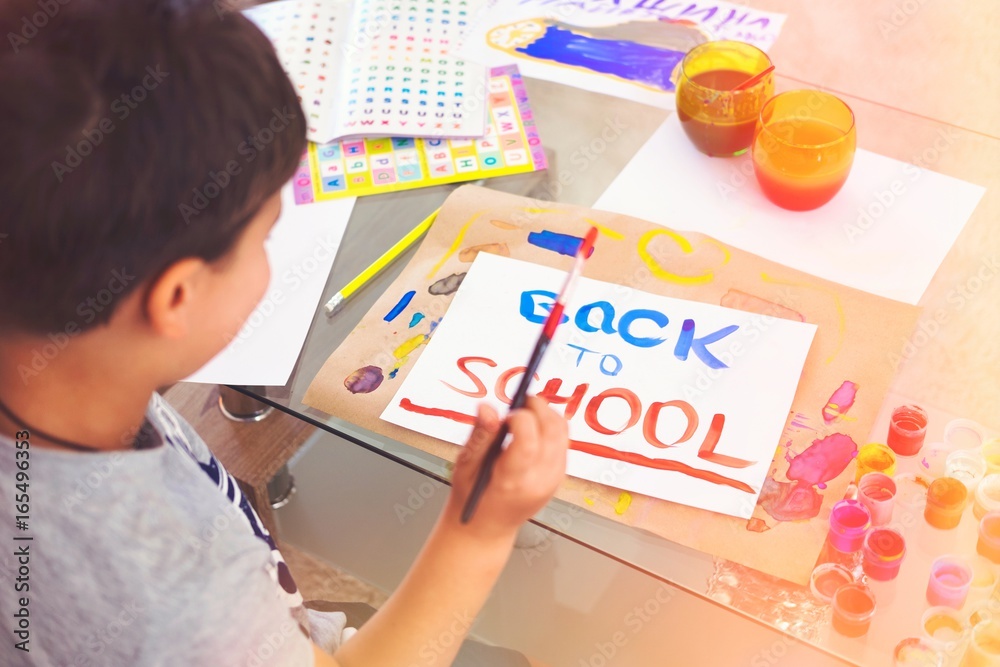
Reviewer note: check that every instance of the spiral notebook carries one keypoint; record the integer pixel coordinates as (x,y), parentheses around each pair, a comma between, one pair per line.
(378,67)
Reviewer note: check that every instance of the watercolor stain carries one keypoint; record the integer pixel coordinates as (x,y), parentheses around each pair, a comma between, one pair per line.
(819,463)
(757,525)
(606,231)
(447,285)
(823,460)
(400,306)
(503,224)
(624,501)
(840,402)
(415,320)
(364,380)
(654,266)
(469,254)
(564,244)
(786,501)
(740,300)
(403,352)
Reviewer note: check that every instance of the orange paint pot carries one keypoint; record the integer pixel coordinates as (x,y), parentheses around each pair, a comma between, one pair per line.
(853,609)
(946,499)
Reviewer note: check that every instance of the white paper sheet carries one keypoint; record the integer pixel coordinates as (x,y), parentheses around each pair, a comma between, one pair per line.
(636,367)
(625,48)
(886,232)
(301,250)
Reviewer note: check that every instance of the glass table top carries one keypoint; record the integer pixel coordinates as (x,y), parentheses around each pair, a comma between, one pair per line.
(944,373)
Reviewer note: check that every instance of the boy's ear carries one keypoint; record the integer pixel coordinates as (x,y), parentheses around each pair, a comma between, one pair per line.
(170,300)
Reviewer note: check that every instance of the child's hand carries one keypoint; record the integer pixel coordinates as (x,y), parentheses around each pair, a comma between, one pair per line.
(525,476)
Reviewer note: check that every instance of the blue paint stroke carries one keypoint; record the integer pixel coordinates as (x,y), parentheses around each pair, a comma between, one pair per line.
(564,244)
(624,59)
(415,320)
(398,308)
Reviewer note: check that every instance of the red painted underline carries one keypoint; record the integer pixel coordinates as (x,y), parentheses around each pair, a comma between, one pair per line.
(594,449)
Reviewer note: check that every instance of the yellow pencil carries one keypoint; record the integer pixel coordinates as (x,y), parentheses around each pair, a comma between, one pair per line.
(390,255)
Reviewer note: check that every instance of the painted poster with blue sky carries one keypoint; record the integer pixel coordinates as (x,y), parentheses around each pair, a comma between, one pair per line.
(625,48)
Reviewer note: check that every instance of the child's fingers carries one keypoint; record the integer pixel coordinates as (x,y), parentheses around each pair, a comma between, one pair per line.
(483,433)
(523,450)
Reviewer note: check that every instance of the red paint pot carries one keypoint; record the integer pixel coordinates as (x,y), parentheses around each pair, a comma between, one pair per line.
(907,428)
(883,551)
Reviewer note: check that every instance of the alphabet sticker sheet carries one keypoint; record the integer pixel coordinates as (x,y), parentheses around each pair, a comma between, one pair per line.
(378,67)
(371,166)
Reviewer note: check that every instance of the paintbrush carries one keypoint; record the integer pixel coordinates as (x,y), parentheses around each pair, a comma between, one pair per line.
(521,395)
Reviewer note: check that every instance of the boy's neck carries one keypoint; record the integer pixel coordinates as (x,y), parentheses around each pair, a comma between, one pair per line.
(92,400)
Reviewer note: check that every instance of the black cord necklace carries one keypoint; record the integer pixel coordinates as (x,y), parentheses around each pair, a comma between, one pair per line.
(20,423)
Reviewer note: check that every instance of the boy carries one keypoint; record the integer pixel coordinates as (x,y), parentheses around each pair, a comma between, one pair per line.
(131,249)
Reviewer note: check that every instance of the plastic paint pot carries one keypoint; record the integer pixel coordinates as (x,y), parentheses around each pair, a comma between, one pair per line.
(948,585)
(883,551)
(967,466)
(874,457)
(946,497)
(849,521)
(853,608)
(826,578)
(989,536)
(907,428)
(915,652)
(991,454)
(964,434)
(987,496)
(877,492)
(984,647)
(943,628)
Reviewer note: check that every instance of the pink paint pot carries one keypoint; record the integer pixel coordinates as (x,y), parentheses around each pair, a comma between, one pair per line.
(877,492)
(849,521)
(989,536)
(907,428)
(948,585)
(853,608)
(883,553)
(826,579)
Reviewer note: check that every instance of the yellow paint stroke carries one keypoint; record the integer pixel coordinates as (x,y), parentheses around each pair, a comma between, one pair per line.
(687,248)
(610,233)
(540,211)
(455,244)
(624,500)
(589,501)
(409,346)
(841,318)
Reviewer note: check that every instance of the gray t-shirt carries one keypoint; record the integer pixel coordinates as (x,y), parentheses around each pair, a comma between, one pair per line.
(141,557)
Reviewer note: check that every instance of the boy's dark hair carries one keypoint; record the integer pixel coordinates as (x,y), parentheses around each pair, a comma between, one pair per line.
(133,133)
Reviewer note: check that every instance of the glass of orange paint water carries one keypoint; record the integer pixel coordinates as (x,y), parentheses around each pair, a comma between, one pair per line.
(803,148)
(718,120)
